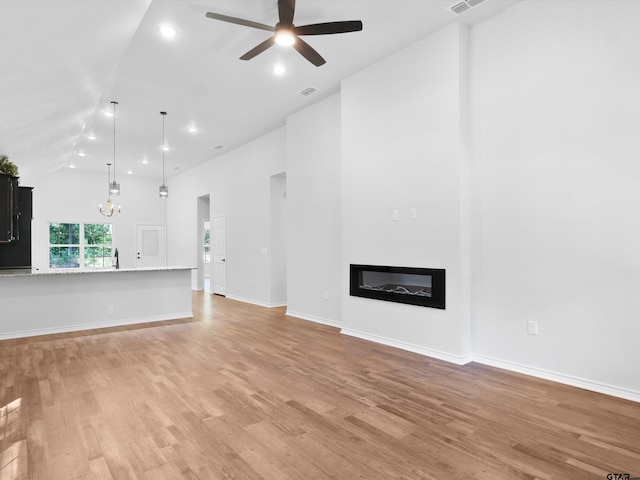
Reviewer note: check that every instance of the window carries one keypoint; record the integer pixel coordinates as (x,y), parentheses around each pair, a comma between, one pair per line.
(80,245)
(207,244)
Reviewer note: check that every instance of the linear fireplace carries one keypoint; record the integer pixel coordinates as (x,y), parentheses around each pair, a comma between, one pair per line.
(416,286)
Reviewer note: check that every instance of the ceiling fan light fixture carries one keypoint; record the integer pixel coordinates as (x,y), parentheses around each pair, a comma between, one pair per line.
(285,37)
(286,33)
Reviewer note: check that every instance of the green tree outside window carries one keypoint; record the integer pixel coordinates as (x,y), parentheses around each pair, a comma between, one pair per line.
(76,245)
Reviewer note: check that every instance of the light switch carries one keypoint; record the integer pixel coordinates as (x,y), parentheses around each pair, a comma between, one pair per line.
(413,214)
(395,215)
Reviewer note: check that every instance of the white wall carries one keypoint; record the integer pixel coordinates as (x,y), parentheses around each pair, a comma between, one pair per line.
(557,231)
(239,186)
(278,241)
(402,121)
(314,262)
(71,196)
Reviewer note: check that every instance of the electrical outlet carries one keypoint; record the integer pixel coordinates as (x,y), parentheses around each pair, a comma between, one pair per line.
(326,294)
(109,308)
(532,327)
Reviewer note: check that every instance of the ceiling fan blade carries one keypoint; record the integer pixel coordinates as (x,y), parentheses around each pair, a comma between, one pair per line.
(308,52)
(240,21)
(329,28)
(258,49)
(286,10)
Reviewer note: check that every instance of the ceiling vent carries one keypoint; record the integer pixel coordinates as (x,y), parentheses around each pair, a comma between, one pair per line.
(458,8)
(307,91)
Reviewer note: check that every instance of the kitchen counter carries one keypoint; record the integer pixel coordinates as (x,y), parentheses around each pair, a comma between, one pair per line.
(38,303)
(16,272)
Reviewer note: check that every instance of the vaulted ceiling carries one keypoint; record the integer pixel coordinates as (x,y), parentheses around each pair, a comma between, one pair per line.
(64,61)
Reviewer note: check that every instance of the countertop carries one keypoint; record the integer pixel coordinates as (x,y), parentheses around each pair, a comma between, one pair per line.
(17,272)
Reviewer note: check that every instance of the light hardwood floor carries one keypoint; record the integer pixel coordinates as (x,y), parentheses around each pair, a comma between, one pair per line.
(244,392)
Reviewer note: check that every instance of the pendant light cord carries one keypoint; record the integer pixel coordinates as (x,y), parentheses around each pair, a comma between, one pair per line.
(163,146)
(114,140)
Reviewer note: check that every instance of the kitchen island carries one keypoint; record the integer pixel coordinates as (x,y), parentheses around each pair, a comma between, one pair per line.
(38,303)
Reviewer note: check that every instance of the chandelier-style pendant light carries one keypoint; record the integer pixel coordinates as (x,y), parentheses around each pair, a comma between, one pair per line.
(114,187)
(109,209)
(164,190)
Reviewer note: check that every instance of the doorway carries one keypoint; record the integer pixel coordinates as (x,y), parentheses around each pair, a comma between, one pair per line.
(203,271)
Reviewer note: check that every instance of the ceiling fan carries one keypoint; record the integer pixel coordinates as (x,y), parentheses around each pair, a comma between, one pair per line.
(286,33)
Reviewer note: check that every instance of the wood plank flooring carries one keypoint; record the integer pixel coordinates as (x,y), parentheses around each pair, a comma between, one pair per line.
(244,392)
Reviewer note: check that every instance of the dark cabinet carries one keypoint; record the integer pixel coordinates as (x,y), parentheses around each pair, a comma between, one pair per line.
(16,213)
(9,209)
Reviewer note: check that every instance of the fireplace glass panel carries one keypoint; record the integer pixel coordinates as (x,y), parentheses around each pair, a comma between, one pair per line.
(400,283)
(416,286)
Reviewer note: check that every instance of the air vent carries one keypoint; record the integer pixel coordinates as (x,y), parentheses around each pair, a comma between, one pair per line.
(219,147)
(458,8)
(473,3)
(308,91)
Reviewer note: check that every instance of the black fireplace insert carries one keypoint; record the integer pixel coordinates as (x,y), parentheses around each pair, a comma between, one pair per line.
(412,285)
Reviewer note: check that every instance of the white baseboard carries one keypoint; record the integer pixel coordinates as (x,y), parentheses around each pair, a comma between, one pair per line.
(91,326)
(313,318)
(429,352)
(586,384)
(257,302)
(559,378)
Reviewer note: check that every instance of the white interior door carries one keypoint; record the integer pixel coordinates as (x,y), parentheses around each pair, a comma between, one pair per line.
(219,254)
(151,246)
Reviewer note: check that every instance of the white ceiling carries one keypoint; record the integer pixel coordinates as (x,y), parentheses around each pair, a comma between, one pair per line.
(64,61)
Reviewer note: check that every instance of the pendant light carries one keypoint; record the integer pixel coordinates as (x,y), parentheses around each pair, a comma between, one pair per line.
(109,209)
(114,187)
(164,190)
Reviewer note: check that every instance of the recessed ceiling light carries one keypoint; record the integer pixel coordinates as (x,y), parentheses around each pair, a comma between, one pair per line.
(145,161)
(91,137)
(71,165)
(167,31)
(108,114)
(165,148)
(81,154)
(279,69)
(192,129)
(130,172)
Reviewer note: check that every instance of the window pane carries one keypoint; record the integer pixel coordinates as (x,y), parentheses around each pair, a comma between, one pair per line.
(64,257)
(97,257)
(53,233)
(64,233)
(97,234)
